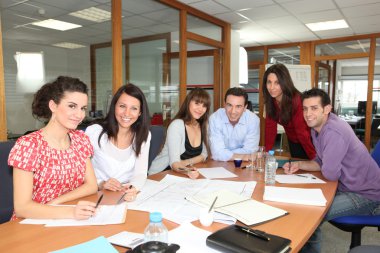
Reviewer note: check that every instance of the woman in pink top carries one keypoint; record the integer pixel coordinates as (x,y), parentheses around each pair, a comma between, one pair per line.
(52,165)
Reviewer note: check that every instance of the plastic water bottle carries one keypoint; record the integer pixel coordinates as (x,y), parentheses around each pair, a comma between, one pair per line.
(156,231)
(270,168)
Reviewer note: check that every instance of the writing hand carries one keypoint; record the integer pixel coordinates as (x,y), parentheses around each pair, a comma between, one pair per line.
(290,168)
(130,193)
(113,184)
(84,210)
(193,173)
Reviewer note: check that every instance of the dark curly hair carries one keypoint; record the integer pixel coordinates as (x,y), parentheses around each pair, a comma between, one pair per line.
(55,91)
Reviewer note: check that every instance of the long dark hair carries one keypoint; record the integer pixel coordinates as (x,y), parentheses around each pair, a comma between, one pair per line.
(288,92)
(55,91)
(140,128)
(198,95)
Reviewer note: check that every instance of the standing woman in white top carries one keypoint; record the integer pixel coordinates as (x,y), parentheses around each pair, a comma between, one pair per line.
(121,143)
(186,138)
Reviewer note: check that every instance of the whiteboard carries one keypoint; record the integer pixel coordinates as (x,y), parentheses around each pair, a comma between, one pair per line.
(301,76)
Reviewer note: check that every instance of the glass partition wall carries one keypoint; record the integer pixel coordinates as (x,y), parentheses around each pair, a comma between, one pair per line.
(64,52)
(152,62)
(152,31)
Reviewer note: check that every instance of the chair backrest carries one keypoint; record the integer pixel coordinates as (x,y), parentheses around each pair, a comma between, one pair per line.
(158,138)
(376,153)
(6,182)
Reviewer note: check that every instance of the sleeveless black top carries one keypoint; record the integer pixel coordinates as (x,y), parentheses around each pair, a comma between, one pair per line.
(191,151)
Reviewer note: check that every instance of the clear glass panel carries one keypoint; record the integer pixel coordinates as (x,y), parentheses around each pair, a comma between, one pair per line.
(345,47)
(152,36)
(146,70)
(351,92)
(103,75)
(289,55)
(252,88)
(19,35)
(375,130)
(204,28)
(255,55)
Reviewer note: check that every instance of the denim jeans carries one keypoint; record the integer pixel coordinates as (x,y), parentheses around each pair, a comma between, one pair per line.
(344,204)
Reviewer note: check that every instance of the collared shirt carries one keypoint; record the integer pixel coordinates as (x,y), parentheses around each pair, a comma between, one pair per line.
(343,157)
(227,140)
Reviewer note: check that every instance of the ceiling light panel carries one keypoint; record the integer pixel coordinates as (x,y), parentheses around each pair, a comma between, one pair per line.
(56,24)
(68,45)
(92,14)
(328,25)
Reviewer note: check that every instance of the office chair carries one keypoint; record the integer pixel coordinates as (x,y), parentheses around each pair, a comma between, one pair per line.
(6,182)
(355,223)
(376,153)
(158,137)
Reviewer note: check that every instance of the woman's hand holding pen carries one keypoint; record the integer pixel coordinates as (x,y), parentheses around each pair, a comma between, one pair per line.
(291,167)
(193,172)
(84,210)
(113,184)
(130,193)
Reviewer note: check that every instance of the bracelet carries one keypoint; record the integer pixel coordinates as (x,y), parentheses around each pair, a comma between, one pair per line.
(191,162)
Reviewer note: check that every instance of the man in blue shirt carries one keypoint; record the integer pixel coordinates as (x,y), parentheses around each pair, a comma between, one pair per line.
(234,130)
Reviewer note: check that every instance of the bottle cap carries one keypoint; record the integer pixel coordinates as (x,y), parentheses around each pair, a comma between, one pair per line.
(271,152)
(155,217)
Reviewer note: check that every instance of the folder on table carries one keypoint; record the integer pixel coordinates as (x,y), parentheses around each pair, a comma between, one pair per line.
(245,209)
(234,239)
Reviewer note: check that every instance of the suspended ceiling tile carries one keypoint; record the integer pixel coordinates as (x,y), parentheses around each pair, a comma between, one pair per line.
(306,6)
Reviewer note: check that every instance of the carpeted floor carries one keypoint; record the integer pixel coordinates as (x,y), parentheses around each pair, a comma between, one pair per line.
(338,241)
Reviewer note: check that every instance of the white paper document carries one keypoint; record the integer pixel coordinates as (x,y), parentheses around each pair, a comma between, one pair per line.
(105,215)
(313,197)
(169,196)
(190,239)
(243,208)
(299,179)
(127,239)
(216,172)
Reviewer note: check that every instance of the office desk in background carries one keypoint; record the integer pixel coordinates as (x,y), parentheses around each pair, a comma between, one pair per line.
(297,226)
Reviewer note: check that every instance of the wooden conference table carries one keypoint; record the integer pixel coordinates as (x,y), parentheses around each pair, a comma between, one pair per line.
(297,226)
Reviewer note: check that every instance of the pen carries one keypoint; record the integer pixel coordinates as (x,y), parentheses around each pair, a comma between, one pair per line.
(98,202)
(122,196)
(186,169)
(213,203)
(290,163)
(256,233)
(298,175)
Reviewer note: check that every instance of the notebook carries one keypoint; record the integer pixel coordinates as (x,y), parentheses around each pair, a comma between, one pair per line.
(234,239)
(245,209)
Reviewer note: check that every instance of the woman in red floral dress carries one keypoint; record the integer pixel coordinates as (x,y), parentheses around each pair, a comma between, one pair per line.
(52,165)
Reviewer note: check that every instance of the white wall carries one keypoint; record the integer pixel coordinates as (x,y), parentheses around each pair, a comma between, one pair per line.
(234,68)
(58,61)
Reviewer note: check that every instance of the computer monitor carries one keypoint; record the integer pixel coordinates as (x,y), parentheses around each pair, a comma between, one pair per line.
(362,105)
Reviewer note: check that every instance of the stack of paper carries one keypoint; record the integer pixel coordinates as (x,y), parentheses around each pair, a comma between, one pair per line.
(245,209)
(216,172)
(299,179)
(106,214)
(301,196)
(127,239)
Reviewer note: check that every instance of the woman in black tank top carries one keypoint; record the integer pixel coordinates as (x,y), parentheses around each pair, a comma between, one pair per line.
(194,113)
